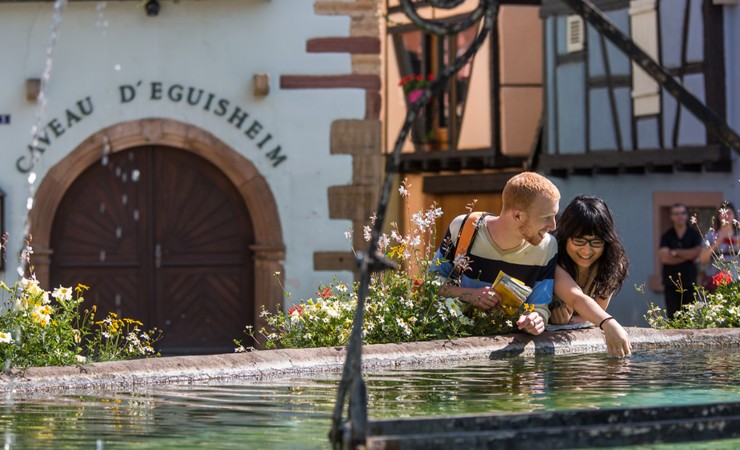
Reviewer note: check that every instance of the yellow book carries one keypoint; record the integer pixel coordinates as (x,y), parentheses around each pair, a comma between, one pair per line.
(513,292)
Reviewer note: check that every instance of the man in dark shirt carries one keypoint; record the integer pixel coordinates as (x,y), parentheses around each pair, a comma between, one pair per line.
(679,248)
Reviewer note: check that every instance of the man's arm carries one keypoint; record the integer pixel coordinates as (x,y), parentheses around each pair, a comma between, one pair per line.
(687,254)
(666,258)
(678,255)
(483,298)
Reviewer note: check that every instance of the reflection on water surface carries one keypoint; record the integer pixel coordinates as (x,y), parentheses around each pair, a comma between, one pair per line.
(295,413)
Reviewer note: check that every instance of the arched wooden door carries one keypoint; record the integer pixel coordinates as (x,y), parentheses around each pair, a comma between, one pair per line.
(160,235)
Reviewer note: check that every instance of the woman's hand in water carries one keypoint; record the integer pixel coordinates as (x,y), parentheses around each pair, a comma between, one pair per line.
(617,341)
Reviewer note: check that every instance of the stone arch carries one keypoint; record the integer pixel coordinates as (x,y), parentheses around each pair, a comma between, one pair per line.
(269,248)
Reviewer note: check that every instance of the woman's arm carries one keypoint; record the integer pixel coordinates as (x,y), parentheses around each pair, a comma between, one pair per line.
(617,341)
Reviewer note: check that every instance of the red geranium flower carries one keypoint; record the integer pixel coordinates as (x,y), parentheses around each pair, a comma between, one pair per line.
(721,278)
(415,82)
(295,308)
(326,292)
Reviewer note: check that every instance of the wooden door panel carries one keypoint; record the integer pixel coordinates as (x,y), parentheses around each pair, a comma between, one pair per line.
(113,289)
(97,235)
(101,216)
(202,309)
(160,235)
(203,234)
(201,221)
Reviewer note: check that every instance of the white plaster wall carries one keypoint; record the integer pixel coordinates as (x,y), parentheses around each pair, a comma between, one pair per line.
(214,45)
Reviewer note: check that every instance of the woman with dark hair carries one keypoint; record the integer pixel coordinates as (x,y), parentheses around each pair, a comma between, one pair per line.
(592,265)
(722,252)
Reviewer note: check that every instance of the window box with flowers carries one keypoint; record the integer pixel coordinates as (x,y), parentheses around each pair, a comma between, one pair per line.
(413,86)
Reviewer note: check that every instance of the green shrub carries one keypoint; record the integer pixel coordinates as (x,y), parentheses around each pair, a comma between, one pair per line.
(42,328)
(720,309)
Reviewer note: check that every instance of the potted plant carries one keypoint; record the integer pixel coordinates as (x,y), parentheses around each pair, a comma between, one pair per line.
(413,86)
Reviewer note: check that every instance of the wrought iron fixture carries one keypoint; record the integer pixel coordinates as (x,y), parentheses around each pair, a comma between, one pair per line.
(152,8)
(352,387)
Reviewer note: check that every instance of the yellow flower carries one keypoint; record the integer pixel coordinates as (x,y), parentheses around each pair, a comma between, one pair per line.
(40,315)
(397,251)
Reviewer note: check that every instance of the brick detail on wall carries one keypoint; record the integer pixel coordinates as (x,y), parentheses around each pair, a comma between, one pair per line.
(362,139)
(356,202)
(364,15)
(355,137)
(369,82)
(364,45)
(353,45)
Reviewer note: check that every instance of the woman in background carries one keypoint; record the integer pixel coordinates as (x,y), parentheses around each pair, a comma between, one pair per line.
(723,250)
(592,265)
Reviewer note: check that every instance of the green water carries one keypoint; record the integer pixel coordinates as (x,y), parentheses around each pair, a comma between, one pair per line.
(295,413)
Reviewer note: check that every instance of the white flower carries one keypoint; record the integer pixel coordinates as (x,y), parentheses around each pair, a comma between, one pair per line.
(25,282)
(403,191)
(367,232)
(383,243)
(62,294)
(80,359)
(5,338)
(453,306)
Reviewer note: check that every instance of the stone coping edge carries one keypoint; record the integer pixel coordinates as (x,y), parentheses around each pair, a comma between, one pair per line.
(273,364)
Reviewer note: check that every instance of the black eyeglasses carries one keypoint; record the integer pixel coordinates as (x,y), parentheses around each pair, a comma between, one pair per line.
(594,243)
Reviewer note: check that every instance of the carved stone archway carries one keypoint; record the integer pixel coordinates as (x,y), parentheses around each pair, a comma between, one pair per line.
(269,249)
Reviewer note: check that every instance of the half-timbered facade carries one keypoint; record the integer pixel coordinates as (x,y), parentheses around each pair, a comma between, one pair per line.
(548,92)
(612,131)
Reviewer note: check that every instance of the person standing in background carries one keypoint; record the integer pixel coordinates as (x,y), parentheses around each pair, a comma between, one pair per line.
(722,250)
(680,246)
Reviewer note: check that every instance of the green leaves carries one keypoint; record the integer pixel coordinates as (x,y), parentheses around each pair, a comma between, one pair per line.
(41,328)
